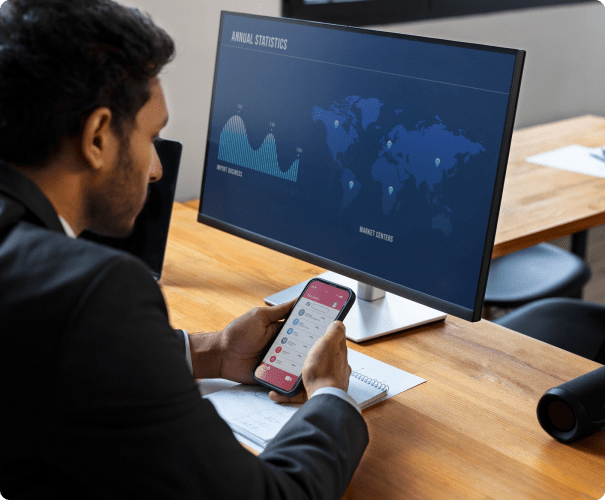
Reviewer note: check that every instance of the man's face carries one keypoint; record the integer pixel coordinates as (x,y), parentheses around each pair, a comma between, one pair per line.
(120,194)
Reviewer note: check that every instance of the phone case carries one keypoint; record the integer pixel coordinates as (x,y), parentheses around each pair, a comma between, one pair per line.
(341,316)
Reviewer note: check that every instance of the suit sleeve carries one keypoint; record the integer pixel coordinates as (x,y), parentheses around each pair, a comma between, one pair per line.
(125,418)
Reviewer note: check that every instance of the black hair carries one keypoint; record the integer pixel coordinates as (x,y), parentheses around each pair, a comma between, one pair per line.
(62,59)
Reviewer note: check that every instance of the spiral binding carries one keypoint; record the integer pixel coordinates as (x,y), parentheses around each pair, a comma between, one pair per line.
(372,381)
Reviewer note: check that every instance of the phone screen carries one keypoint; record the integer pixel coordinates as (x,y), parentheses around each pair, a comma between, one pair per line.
(315,310)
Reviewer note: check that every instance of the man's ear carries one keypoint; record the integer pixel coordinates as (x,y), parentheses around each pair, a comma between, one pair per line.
(100,143)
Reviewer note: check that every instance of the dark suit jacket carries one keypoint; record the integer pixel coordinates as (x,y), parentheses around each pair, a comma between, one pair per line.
(96,399)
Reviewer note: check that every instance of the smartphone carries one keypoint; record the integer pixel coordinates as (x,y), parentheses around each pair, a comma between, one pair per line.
(320,303)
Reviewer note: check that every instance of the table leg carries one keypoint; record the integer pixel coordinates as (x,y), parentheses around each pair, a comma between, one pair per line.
(579,241)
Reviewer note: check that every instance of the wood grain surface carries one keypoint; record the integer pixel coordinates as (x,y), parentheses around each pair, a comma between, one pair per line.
(469,432)
(541,203)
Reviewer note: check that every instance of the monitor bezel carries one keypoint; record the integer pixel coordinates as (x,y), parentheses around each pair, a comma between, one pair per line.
(356,13)
(381,12)
(381,283)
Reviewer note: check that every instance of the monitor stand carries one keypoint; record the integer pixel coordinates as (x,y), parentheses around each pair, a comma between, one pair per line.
(375,312)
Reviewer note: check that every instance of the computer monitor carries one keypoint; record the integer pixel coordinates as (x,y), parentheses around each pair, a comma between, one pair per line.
(374,12)
(378,156)
(357,12)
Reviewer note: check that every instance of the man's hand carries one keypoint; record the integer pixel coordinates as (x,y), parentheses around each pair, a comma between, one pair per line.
(244,340)
(326,366)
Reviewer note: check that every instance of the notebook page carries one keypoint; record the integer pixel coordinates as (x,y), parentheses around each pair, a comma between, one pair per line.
(249,412)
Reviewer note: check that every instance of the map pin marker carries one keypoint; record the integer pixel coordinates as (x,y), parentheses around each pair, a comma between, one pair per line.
(389,144)
(390,189)
(437,162)
(351,184)
(336,123)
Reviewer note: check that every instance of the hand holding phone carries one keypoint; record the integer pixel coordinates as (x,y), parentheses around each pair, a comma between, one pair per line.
(315,310)
(326,366)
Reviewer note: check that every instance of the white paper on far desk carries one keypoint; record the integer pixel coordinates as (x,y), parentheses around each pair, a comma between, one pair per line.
(251,413)
(574,159)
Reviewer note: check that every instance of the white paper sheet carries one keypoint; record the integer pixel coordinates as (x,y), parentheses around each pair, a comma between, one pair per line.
(574,159)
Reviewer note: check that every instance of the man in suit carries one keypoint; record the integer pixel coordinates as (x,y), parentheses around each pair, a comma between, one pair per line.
(98,399)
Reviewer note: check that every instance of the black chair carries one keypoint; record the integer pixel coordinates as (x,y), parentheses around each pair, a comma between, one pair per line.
(535,273)
(567,323)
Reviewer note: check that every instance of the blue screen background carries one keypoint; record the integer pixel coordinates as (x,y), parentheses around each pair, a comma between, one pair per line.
(379,153)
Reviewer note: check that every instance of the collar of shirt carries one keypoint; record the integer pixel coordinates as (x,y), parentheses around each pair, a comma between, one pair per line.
(68,230)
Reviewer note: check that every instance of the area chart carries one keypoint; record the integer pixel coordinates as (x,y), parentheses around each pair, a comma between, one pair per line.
(234,147)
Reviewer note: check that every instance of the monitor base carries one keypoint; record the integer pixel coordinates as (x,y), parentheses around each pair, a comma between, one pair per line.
(369,319)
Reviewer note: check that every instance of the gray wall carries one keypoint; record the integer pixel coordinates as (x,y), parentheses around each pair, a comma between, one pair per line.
(564,71)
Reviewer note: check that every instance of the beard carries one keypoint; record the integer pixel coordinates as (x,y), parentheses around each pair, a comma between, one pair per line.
(115,204)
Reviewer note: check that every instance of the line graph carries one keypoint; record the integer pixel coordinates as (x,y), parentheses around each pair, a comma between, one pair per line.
(234,147)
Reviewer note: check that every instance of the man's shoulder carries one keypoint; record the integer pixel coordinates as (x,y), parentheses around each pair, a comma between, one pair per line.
(43,268)
(24,241)
(42,249)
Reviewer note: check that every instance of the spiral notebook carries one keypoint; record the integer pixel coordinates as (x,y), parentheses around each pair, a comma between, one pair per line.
(250,413)
(253,416)
(365,390)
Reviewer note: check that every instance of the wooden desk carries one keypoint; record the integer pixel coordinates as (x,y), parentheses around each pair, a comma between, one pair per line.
(540,203)
(469,432)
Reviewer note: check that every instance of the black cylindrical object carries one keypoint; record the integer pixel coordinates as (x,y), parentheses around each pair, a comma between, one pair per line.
(575,409)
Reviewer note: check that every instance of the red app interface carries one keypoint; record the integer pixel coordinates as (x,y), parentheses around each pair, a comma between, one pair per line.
(309,320)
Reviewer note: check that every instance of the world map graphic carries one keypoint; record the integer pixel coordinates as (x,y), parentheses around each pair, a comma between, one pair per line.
(428,154)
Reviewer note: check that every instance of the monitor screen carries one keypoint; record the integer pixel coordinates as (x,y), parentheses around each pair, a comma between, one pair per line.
(375,155)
